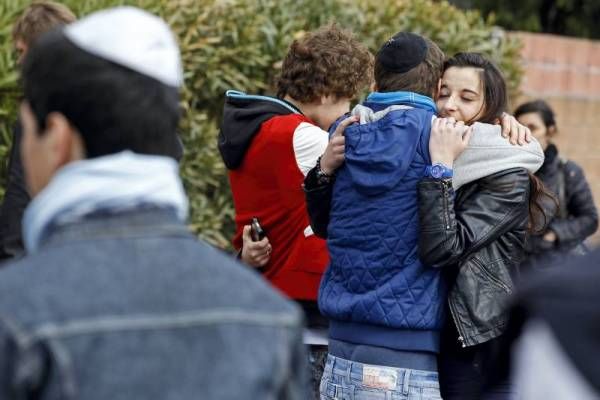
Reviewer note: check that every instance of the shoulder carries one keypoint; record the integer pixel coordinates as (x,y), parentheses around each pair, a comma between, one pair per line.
(282,128)
(487,135)
(289,121)
(310,137)
(513,174)
(514,180)
(572,169)
(309,143)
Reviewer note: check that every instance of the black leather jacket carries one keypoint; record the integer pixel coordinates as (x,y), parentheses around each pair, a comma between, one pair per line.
(574,221)
(479,236)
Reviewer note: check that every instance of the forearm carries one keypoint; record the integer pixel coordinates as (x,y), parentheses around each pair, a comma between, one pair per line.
(583,215)
(450,232)
(437,231)
(576,229)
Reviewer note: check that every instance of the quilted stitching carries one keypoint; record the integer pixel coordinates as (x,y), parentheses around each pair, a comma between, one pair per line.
(375,275)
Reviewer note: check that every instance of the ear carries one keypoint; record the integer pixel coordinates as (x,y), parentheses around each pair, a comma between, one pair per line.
(63,141)
(374,87)
(552,131)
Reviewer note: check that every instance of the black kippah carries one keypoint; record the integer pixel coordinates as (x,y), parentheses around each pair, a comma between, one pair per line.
(402,52)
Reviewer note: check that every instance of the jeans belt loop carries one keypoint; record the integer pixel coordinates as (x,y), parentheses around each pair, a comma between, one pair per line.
(349,372)
(406,381)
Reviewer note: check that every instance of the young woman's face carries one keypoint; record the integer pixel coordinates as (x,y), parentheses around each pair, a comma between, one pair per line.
(461,94)
(534,122)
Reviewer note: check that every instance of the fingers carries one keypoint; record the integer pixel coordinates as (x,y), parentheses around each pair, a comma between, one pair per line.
(451,125)
(517,131)
(528,135)
(261,262)
(505,123)
(339,131)
(524,134)
(448,140)
(337,142)
(262,246)
(260,253)
(514,131)
(255,254)
(334,154)
(246,237)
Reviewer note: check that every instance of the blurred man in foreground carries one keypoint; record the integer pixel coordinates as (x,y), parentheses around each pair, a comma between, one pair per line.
(116,299)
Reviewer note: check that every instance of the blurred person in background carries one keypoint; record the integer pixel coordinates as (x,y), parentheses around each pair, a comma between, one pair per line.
(558,320)
(576,217)
(115,298)
(38,18)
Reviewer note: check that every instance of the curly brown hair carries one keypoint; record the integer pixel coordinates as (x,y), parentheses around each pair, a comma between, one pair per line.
(326,62)
(39,18)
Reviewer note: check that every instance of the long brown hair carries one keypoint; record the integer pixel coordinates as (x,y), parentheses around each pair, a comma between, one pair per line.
(495,103)
(538,220)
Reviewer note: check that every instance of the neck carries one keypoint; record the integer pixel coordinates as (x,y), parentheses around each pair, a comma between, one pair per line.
(308,109)
(122,181)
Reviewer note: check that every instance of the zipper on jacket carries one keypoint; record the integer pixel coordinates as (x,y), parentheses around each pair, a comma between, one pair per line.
(461,336)
(446,194)
(493,279)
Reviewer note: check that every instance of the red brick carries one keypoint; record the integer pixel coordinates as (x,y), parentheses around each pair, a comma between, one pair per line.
(595,84)
(578,83)
(595,54)
(578,52)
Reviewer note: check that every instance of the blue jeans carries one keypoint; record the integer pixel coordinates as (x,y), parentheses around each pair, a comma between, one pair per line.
(351,380)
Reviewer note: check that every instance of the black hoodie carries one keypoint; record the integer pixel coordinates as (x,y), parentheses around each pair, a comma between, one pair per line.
(243,116)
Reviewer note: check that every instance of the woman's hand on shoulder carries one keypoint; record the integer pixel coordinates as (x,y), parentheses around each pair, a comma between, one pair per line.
(448,140)
(514,131)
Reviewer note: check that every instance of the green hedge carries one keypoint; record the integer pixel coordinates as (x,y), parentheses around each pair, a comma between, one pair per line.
(240,44)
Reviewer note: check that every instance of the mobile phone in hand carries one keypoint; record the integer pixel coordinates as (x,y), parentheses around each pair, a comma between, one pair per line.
(257,233)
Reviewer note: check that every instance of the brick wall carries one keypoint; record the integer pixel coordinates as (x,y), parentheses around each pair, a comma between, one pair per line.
(566,73)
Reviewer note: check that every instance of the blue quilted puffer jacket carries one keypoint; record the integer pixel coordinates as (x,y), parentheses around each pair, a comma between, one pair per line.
(376,291)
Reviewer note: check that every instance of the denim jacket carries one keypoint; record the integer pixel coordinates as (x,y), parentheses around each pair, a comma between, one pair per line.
(131,306)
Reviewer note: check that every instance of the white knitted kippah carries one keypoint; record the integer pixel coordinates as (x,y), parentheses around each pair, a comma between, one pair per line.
(133,38)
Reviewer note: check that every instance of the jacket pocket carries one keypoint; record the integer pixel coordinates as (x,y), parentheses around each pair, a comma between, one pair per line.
(480,297)
(494,272)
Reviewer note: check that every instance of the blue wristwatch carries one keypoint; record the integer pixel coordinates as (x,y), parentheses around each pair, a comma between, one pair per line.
(438,171)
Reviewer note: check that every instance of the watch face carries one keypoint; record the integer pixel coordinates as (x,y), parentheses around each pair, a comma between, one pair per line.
(437,171)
